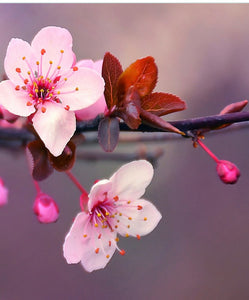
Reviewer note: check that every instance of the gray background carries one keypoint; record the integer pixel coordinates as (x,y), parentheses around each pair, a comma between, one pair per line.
(200,248)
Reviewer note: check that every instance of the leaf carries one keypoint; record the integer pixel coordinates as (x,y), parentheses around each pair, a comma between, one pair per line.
(142,74)
(111,70)
(157,122)
(234,107)
(37,155)
(162,104)
(108,133)
(130,109)
(65,161)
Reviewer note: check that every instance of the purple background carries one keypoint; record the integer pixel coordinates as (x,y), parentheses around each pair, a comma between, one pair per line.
(200,248)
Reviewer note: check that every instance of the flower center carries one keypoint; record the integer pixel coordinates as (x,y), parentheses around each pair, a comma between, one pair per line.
(43,87)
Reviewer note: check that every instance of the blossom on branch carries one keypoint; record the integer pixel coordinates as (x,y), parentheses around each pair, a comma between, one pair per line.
(99,107)
(114,207)
(45,208)
(45,84)
(3,193)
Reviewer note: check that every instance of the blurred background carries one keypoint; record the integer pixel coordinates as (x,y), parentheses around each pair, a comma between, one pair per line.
(200,248)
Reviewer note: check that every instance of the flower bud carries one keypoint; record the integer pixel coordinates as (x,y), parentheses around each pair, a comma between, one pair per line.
(227,171)
(45,208)
(3,193)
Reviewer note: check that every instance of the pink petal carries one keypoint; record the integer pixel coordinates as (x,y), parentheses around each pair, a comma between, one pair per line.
(89,85)
(92,111)
(74,241)
(98,192)
(87,63)
(14,101)
(98,249)
(138,218)
(54,39)
(131,180)
(17,49)
(55,127)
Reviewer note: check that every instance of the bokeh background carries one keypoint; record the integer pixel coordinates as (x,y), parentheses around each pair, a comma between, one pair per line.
(200,248)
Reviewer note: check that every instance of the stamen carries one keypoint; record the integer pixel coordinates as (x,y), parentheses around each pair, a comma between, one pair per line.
(122,252)
(97,250)
(138,237)
(115,198)
(43,109)
(28,103)
(107,256)
(99,237)
(145,219)
(17,88)
(126,235)
(43,51)
(67,107)
(18,70)
(139,207)
(96,225)
(85,235)
(75,69)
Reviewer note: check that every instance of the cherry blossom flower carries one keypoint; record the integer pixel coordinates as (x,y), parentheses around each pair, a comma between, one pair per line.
(98,107)
(45,208)
(3,193)
(45,84)
(114,207)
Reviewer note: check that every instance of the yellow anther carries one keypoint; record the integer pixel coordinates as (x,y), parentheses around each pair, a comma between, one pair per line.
(130,218)
(126,235)
(36,90)
(99,214)
(107,256)
(37,63)
(107,213)
(116,226)
(24,58)
(145,219)
(50,62)
(128,202)
(50,95)
(118,221)
(65,78)
(62,51)
(128,226)
(120,214)
(29,72)
(116,239)
(30,95)
(96,224)
(42,90)
(59,67)
(76,89)
(85,235)
(58,93)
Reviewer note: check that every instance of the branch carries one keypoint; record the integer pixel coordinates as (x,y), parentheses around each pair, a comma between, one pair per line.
(12,137)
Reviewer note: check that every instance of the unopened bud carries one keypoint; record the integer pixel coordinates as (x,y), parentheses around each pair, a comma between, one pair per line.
(46,209)
(3,193)
(227,171)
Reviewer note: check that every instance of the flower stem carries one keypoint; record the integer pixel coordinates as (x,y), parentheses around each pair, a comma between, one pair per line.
(76,182)
(205,148)
(37,187)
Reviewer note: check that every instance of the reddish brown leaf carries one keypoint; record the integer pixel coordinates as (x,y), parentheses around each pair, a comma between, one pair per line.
(142,75)
(130,109)
(162,104)
(108,133)
(111,70)
(234,107)
(157,122)
(39,163)
(65,161)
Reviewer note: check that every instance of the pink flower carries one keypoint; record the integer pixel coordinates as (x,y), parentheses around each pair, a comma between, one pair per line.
(3,193)
(114,207)
(227,171)
(98,107)
(45,208)
(46,85)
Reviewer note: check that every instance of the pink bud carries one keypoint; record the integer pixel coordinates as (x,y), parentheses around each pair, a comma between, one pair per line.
(227,171)
(45,208)
(3,193)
